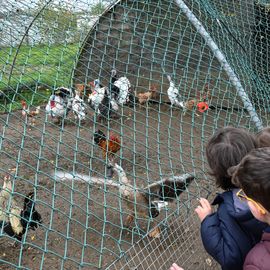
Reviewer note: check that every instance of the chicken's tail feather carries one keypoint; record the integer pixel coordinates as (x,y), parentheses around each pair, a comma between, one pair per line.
(174,186)
(66,176)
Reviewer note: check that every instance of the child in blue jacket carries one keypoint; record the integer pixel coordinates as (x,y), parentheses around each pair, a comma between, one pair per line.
(229,233)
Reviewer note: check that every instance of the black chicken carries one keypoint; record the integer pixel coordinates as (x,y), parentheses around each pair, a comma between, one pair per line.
(13,219)
(108,108)
(148,201)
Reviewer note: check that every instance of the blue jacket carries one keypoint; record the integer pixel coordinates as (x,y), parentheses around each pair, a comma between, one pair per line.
(228,235)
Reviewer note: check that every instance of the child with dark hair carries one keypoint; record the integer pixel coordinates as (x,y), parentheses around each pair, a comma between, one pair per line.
(263,137)
(229,233)
(253,176)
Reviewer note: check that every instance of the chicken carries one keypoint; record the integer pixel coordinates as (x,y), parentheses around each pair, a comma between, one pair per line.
(108,106)
(109,146)
(174,95)
(13,219)
(79,107)
(148,202)
(26,113)
(60,103)
(114,90)
(145,97)
(198,103)
(97,96)
(190,105)
(120,88)
(83,89)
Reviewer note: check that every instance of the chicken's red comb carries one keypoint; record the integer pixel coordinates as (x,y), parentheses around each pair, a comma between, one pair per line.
(114,138)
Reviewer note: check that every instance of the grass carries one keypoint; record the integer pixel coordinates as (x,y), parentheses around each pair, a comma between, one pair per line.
(37,70)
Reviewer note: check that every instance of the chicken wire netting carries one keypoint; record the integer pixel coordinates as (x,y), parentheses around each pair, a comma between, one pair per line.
(84,97)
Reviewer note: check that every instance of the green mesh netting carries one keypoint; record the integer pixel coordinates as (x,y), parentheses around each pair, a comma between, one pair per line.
(46,44)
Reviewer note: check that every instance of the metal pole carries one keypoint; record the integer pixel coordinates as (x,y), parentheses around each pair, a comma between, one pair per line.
(224,63)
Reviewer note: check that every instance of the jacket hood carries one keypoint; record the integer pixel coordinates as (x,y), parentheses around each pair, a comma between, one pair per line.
(227,199)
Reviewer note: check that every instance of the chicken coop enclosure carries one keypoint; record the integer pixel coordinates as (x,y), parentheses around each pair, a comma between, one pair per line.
(105,111)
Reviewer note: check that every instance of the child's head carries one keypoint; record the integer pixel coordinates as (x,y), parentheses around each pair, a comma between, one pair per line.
(225,149)
(253,176)
(263,137)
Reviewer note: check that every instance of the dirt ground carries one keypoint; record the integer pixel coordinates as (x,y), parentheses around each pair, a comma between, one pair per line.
(82,223)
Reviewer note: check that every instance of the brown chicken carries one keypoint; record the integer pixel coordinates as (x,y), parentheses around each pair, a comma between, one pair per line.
(146,96)
(109,146)
(27,113)
(83,90)
(202,97)
(190,105)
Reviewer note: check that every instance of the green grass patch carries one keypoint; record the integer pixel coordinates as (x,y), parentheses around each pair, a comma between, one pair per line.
(36,69)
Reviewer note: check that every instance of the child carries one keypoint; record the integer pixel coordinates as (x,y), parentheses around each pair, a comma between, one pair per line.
(263,137)
(253,175)
(230,233)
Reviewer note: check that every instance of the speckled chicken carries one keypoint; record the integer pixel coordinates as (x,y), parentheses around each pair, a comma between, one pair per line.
(120,88)
(78,107)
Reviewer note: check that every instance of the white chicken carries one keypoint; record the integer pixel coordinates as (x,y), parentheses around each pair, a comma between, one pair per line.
(60,103)
(97,96)
(174,95)
(78,108)
(120,88)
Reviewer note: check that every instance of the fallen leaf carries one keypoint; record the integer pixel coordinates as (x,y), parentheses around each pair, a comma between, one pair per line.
(208,261)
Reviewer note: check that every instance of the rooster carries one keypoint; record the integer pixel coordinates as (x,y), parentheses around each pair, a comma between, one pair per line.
(14,220)
(174,95)
(146,96)
(148,201)
(60,103)
(110,146)
(120,88)
(27,113)
(78,107)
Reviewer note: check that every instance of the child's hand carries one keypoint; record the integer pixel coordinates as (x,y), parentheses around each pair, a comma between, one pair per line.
(204,209)
(175,267)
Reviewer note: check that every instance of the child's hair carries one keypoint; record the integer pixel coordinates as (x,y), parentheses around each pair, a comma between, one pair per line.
(263,137)
(253,175)
(225,149)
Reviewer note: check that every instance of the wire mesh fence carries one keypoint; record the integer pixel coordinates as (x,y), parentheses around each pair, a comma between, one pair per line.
(92,125)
